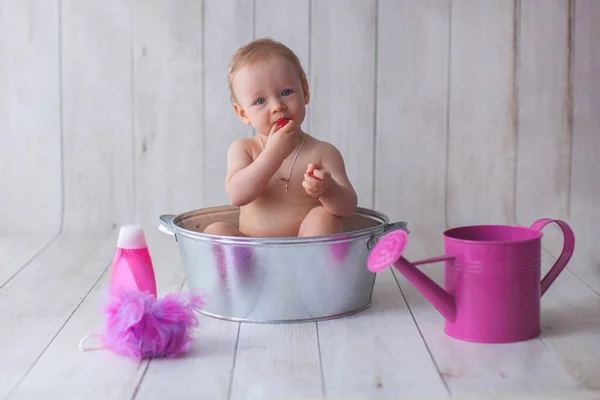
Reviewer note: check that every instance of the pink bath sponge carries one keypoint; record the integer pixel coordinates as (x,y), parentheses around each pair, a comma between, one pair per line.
(138,325)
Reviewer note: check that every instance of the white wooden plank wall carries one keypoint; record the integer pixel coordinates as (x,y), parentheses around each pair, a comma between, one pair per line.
(412,112)
(481,129)
(447,112)
(544,110)
(30,132)
(168,108)
(544,125)
(30,117)
(585,179)
(96,80)
(144,86)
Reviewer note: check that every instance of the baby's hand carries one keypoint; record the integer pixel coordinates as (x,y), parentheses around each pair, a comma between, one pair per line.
(283,139)
(316,180)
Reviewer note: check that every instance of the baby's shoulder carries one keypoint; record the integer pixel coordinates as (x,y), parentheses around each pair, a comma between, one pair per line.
(327,154)
(324,148)
(241,148)
(242,144)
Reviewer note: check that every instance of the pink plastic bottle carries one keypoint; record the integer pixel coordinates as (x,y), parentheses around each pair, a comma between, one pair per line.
(132,266)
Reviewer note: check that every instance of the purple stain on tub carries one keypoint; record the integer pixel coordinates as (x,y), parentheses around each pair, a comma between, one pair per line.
(339,251)
(243,260)
(219,252)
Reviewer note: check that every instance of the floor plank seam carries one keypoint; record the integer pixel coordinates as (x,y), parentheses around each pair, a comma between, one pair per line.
(323,391)
(237,341)
(571,271)
(28,262)
(582,281)
(422,337)
(58,332)
(139,383)
(143,375)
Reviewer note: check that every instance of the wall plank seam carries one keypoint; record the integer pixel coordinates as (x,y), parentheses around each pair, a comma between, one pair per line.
(203,77)
(569,100)
(517,18)
(61,118)
(375,85)
(134,169)
(448,116)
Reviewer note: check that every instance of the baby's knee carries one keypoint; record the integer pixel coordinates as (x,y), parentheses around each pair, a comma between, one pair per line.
(321,213)
(222,229)
(319,222)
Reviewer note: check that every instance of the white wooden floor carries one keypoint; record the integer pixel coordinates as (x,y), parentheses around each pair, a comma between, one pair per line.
(51,291)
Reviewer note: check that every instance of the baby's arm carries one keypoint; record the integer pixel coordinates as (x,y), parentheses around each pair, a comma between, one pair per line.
(246,179)
(340,198)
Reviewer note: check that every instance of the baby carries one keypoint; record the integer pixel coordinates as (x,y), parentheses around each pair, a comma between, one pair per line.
(286,182)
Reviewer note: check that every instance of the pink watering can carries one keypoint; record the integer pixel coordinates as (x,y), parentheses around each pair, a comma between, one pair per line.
(491,278)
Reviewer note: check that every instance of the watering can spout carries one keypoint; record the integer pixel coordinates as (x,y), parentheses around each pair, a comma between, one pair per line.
(388,251)
(438,297)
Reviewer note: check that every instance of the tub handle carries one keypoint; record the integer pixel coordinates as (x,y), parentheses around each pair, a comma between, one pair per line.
(166,224)
(386,229)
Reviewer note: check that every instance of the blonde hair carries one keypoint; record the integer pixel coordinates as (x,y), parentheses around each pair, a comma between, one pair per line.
(257,49)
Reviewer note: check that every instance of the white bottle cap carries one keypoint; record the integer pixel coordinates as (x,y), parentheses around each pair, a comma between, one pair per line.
(131,237)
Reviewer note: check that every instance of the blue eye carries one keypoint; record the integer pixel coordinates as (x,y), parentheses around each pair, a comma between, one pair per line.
(286,92)
(260,101)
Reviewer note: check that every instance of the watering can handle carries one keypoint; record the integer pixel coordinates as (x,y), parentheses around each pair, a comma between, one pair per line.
(565,255)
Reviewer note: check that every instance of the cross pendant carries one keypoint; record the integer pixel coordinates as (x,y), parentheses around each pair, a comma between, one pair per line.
(286,187)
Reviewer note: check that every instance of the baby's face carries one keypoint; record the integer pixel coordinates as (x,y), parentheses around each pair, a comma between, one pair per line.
(267,90)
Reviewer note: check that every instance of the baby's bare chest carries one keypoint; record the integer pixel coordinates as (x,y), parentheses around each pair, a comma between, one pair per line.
(290,175)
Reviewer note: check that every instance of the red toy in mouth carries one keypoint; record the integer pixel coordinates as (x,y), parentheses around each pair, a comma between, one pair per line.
(281,122)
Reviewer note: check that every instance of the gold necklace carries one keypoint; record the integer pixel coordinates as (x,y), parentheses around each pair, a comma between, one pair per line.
(287,185)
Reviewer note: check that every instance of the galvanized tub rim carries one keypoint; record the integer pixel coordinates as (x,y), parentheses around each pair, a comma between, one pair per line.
(171,224)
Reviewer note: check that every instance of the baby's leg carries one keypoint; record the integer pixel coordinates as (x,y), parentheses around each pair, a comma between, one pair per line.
(320,222)
(222,229)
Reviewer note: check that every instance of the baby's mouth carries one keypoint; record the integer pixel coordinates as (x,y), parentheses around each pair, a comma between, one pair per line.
(280,123)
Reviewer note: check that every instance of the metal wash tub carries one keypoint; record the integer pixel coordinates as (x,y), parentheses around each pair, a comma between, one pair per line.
(277,280)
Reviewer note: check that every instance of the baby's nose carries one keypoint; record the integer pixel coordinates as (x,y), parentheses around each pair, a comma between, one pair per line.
(278,106)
